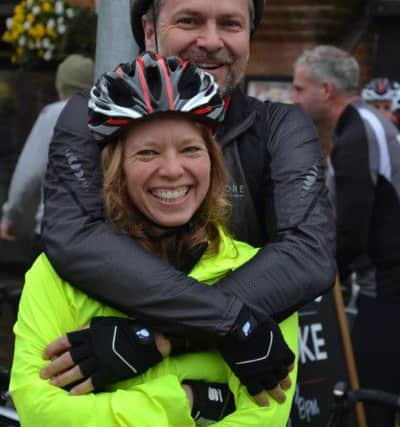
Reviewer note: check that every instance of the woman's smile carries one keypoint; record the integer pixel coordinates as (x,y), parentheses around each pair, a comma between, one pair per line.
(167,169)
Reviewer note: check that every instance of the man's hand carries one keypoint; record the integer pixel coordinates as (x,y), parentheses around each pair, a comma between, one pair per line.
(6,232)
(260,358)
(110,349)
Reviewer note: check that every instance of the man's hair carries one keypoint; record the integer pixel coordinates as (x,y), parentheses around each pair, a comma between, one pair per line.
(331,63)
(155,7)
(74,74)
(213,212)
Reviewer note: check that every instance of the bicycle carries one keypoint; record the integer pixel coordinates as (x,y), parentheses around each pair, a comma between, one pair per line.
(8,415)
(346,399)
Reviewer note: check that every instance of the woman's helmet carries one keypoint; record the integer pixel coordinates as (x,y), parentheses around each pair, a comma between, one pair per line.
(380,89)
(140,7)
(152,84)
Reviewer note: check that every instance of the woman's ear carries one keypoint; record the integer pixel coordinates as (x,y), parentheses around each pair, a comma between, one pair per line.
(149,34)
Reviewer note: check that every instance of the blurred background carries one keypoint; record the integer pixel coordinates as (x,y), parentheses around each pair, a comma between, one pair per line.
(34,37)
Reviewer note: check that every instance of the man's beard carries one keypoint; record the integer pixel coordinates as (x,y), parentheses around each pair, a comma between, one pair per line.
(221,57)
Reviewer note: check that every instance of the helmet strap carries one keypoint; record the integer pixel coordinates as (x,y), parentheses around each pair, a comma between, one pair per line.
(155,30)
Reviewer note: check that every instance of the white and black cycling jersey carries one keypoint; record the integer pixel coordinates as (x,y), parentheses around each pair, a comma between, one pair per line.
(365,162)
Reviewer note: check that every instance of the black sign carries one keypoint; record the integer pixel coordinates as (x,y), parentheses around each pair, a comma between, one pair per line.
(322,363)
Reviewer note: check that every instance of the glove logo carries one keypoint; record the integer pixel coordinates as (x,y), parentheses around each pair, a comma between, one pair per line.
(247,329)
(143,334)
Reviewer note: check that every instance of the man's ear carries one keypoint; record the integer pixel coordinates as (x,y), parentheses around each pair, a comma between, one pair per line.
(328,89)
(149,36)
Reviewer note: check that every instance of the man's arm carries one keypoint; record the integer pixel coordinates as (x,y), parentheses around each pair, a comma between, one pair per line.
(25,186)
(355,194)
(299,264)
(109,265)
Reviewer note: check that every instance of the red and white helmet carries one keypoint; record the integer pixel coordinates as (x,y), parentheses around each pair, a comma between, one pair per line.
(380,89)
(152,84)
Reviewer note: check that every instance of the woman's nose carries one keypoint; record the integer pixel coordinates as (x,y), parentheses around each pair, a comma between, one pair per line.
(171,167)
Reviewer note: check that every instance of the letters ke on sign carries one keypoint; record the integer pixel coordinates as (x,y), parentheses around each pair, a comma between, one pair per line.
(321,363)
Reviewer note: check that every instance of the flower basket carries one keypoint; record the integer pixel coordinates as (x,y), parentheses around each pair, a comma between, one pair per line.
(40,31)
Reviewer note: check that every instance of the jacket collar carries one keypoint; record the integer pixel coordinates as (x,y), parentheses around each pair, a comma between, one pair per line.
(239,117)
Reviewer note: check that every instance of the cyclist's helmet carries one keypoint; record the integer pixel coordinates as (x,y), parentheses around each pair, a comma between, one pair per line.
(152,84)
(140,7)
(396,102)
(380,89)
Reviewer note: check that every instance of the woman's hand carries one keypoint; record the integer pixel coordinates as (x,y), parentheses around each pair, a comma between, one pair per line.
(109,350)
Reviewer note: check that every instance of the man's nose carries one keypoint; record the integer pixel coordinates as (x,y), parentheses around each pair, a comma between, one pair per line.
(293,97)
(210,38)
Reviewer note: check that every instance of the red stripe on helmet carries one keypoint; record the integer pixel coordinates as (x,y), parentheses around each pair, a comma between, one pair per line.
(202,111)
(145,88)
(168,84)
(117,122)
(183,62)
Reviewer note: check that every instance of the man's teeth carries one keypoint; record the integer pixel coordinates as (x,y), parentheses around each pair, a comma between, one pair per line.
(209,66)
(170,195)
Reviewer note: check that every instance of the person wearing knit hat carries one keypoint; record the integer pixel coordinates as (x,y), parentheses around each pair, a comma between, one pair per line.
(74,73)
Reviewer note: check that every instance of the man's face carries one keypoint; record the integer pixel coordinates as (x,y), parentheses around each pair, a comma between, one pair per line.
(385,107)
(308,94)
(214,34)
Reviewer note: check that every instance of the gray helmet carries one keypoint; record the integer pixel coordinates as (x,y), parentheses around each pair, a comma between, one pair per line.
(150,85)
(140,7)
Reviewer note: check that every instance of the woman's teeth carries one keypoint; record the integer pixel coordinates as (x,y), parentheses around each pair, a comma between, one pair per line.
(170,195)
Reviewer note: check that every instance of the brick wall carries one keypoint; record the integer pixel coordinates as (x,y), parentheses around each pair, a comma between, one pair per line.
(290,26)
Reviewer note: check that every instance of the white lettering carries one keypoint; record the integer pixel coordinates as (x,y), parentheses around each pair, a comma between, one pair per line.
(318,342)
(307,408)
(311,344)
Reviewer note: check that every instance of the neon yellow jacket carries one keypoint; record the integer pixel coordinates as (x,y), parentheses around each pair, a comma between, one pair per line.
(50,307)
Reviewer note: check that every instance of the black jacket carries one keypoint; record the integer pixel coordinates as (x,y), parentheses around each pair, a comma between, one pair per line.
(279,202)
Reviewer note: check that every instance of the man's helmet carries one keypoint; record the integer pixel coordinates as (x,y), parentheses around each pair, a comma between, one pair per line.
(396,102)
(140,7)
(152,84)
(380,89)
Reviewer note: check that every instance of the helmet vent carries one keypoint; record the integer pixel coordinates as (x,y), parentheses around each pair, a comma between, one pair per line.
(173,64)
(153,79)
(119,90)
(189,83)
(128,69)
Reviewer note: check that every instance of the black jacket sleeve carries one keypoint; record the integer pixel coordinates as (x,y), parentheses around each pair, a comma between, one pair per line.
(112,267)
(86,251)
(299,263)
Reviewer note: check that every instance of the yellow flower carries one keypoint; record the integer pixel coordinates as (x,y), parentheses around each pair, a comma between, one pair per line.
(47,7)
(18,29)
(51,32)
(14,59)
(40,31)
(30,18)
(7,37)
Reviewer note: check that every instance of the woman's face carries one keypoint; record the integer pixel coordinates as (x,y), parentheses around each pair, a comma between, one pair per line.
(167,169)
